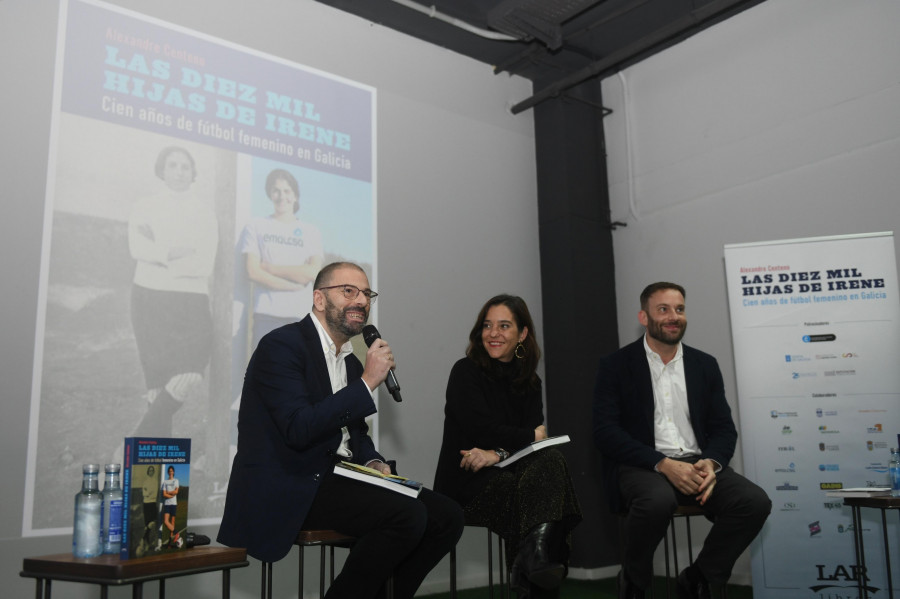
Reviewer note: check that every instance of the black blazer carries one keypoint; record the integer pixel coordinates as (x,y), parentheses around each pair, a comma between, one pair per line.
(623,412)
(289,427)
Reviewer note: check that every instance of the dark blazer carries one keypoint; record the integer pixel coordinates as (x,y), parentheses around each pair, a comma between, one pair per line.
(623,412)
(289,427)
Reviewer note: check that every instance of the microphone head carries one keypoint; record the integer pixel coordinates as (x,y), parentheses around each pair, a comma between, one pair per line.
(370,334)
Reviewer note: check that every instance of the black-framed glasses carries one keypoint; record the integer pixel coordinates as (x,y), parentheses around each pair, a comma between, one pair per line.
(351,292)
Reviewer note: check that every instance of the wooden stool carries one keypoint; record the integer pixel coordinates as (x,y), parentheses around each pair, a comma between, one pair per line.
(322,539)
(504,589)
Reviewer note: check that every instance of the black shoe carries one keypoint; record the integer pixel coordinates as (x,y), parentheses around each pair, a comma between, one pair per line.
(691,584)
(627,589)
(534,558)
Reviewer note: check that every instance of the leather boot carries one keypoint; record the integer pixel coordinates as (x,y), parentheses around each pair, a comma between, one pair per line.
(535,559)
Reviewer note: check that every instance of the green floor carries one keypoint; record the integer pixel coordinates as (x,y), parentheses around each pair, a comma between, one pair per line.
(592,589)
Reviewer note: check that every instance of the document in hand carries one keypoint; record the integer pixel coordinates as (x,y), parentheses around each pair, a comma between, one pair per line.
(374,477)
(535,446)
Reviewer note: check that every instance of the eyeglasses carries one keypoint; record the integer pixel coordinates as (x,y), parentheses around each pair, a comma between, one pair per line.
(351,292)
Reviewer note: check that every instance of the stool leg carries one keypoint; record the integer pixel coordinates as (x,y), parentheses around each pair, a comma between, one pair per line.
(321,573)
(300,576)
(452,572)
(490,566)
(265,589)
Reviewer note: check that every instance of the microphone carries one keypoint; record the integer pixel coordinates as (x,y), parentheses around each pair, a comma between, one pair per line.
(370,334)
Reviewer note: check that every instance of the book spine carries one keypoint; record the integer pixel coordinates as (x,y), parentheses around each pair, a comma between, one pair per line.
(126,499)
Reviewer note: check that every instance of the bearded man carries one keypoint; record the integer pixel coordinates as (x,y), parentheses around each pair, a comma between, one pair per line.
(664,428)
(303,408)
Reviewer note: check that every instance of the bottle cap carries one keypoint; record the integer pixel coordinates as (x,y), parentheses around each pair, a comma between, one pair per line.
(113,468)
(90,468)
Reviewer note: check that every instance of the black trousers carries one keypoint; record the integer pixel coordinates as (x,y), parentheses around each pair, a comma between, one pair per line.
(738,508)
(397,534)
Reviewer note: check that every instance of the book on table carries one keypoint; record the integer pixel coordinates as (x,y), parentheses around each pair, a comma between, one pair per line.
(532,447)
(155,489)
(860,492)
(365,474)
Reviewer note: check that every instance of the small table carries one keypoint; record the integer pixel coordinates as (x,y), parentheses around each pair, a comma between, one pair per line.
(882,503)
(109,570)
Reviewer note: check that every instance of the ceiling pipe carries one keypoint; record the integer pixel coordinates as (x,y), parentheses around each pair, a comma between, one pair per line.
(699,15)
(432,12)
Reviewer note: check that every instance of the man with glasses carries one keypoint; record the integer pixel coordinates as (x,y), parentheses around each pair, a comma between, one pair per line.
(303,408)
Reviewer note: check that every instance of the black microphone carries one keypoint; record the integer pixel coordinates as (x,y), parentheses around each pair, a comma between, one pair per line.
(370,334)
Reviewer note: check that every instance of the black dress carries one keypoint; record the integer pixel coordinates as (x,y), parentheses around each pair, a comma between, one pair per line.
(484,410)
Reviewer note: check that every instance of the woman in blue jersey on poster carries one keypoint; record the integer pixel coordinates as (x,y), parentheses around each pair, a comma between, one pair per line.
(283,256)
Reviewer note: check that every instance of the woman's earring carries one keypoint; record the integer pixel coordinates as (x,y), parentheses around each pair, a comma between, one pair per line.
(520,351)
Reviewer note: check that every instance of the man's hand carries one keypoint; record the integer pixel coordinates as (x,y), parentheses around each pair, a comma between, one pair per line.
(475,459)
(380,466)
(707,469)
(689,479)
(379,361)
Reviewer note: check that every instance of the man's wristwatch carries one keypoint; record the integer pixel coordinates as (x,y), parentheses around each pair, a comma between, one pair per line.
(501,453)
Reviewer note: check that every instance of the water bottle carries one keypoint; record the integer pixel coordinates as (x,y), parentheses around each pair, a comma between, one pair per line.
(88,503)
(111,516)
(894,469)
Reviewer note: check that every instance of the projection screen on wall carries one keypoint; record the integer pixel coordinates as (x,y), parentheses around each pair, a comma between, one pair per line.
(194,187)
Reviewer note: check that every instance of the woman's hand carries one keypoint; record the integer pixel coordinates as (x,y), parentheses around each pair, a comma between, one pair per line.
(540,433)
(475,459)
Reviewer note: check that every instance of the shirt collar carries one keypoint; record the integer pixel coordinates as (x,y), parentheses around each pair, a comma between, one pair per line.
(328,346)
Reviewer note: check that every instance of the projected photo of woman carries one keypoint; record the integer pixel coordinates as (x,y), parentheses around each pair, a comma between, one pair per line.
(173,236)
(283,255)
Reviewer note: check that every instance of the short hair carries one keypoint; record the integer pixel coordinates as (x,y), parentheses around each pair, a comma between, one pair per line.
(323,278)
(164,154)
(660,286)
(283,175)
(527,372)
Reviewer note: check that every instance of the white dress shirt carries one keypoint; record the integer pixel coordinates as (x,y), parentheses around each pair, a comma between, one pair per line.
(672,430)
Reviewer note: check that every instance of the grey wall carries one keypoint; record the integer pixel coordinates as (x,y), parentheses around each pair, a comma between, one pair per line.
(457,220)
(779,123)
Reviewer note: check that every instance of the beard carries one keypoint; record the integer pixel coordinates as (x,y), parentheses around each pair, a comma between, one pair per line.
(337,320)
(656,331)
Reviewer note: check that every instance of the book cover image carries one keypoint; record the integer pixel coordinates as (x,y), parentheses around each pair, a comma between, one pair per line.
(156,486)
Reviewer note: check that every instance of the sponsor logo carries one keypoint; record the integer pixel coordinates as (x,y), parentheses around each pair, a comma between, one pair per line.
(803,375)
(786,487)
(777,414)
(826,431)
(849,354)
(789,506)
(790,468)
(796,358)
(826,357)
(826,447)
(820,412)
(841,583)
(848,372)
(818,338)
(814,528)
(833,505)
(786,448)
(875,429)
(873,445)
(824,395)
(828,468)
(786,430)
(831,486)
(877,467)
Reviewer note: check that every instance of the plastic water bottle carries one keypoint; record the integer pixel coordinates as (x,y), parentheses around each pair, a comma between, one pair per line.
(894,470)
(88,504)
(111,518)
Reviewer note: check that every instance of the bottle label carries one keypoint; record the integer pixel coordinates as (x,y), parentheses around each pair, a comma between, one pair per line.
(114,534)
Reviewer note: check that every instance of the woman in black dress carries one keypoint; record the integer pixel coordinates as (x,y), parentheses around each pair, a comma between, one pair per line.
(494,408)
